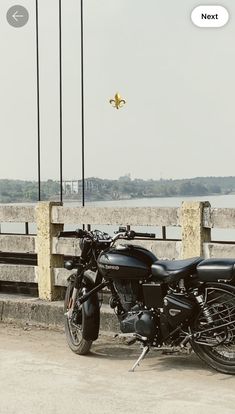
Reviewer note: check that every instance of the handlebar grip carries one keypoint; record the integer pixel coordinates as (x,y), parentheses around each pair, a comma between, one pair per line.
(149,235)
(68,234)
(79,233)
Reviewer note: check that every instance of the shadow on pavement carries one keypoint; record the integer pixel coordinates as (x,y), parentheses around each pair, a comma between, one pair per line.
(176,361)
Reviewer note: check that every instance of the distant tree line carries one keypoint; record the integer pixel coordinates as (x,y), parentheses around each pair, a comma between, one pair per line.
(27,191)
(123,188)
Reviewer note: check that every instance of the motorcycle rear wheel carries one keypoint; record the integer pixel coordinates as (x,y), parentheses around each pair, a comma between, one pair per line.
(74,326)
(221,302)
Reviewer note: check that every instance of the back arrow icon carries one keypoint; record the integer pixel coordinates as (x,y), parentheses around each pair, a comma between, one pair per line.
(15,16)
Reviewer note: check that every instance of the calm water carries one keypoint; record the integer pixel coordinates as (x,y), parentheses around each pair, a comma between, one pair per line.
(226,201)
(216,201)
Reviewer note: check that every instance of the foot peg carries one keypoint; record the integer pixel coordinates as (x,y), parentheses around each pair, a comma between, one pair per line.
(143,354)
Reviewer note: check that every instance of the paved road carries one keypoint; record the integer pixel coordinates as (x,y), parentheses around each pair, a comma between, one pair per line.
(39,374)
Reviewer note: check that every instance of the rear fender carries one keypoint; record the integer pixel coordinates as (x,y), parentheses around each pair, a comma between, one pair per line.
(216,270)
(225,286)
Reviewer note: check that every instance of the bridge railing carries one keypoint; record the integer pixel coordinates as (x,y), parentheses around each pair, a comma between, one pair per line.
(196,219)
(17,243)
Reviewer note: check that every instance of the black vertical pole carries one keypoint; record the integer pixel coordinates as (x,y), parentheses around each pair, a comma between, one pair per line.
(38,106)
(82,106)
(61,108)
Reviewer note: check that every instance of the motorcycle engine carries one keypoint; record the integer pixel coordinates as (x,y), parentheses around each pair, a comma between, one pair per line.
(142,322)
(128,293)
(136,319)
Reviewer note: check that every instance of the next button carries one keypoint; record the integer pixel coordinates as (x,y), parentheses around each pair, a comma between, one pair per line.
(210,16)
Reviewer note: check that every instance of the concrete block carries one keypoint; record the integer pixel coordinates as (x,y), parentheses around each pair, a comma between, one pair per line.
(18,273)
(28,310)
(17,243)
(135,216)
(193,232)
(17,214)
(46,260)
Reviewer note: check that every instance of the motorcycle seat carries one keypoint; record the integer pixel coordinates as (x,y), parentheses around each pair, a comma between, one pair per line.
(215,270)
(173,270)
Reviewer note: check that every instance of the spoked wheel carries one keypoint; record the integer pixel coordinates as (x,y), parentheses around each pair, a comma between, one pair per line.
(214,329)
(74,325)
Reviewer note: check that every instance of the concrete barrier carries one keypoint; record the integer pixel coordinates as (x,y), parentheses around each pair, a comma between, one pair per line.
(196,220)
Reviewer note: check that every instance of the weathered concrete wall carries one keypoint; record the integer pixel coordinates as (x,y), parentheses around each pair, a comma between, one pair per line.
(195,218)
(136,216)
(47,261)
(18,273)
(17,214)
(213,250)
(193,232)
(223,218)
(24,310)
(69,247)
(17,243)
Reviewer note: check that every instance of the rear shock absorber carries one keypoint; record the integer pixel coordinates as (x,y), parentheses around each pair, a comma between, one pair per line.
(205,309)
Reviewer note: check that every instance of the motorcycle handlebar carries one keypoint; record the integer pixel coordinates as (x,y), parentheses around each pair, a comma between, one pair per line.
(127,234)
(149,235)
(132,234)
(79,233)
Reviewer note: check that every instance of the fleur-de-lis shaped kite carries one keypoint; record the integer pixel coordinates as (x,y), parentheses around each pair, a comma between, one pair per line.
(117,102)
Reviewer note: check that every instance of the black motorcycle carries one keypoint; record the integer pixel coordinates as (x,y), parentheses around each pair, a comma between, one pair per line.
(159,303)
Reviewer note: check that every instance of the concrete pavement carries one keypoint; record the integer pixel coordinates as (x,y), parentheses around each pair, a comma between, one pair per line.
(39,374)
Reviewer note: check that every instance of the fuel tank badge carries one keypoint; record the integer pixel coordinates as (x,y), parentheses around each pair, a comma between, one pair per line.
(108,267)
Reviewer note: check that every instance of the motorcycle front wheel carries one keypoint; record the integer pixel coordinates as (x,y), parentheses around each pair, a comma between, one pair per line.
(215,329)
(74,325)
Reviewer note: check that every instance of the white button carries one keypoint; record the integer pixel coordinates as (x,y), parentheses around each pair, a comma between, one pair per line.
(210,16)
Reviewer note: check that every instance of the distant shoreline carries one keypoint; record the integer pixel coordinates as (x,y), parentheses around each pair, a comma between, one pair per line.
(145,198)
(97,189)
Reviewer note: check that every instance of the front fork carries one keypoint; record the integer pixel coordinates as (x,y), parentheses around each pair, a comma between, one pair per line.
(85,294)
(72,302)
(76,279)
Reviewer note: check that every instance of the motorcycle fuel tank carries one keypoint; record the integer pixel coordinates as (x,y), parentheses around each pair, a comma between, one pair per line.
(126,262)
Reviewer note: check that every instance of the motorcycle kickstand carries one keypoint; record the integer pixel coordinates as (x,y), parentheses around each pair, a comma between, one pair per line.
(146,349)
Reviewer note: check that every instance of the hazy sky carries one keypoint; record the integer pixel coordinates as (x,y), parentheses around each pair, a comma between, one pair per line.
(177,79)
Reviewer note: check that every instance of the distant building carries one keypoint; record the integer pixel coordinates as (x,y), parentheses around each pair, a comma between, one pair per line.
(125,178)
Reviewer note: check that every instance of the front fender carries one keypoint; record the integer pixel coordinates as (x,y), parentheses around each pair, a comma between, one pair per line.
(91,318)
(90,308)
